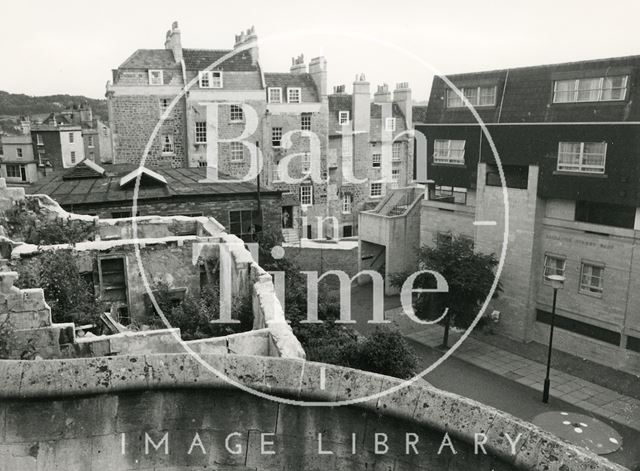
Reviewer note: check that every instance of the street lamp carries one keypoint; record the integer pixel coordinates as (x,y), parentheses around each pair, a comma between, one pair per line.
(557,281)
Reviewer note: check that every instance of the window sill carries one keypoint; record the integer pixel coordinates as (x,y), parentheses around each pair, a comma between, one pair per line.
(579,174)
(590,293)
(168,154)
(442,164)
(236,121)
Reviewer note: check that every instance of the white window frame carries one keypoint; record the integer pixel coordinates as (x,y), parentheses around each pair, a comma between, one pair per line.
(447,158)
(39,140)
(395,175)
(271,91)
(236,114)
(551,268)
(14,167)
(390,124)
(305,126)
(275,131)
(377,194)
(587,287)
(200,128)
(473,96)
(376,160)
(167,140)
(290,93)
(306,197)
(236,149)
(72,156)
(347,203)
(19,152)
(343,117)
(576,89)
(160,80)
(396,151)
(581,166)
(210,79)
(71,138)
(90,142)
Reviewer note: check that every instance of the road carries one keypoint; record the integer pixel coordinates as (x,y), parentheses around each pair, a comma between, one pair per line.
(459,377)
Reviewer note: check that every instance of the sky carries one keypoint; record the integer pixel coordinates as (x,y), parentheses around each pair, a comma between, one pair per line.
(71,47)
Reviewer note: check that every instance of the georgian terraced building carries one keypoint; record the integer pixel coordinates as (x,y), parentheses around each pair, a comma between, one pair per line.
(568,138)
(177,87)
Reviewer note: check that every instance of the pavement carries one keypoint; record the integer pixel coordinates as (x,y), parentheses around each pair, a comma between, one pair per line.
(586,395)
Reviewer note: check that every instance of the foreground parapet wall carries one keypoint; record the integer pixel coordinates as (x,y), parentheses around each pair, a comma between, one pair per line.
(112,413)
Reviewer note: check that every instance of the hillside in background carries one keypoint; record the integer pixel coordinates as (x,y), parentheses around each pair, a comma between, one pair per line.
(14,104)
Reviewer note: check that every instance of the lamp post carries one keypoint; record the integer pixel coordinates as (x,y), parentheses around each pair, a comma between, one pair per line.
(557,281)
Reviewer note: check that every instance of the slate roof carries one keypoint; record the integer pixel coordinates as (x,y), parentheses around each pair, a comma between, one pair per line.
(200,59)
(181,182)
(528,94)
(419,114)
(288,80)
(150,59)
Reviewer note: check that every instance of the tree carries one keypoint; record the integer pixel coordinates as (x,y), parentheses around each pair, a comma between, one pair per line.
(469,274)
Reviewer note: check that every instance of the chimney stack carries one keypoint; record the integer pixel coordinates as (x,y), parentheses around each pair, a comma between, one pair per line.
(402,97)
(248,37)
(297,65)
(173,42)
(383,95)
(361,104)
(318,72)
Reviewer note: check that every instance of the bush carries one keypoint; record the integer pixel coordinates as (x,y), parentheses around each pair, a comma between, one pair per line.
(27,222)
(193,315)
(385,352)
(70,297)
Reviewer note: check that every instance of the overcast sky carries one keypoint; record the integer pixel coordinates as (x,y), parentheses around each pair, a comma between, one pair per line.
(71,46)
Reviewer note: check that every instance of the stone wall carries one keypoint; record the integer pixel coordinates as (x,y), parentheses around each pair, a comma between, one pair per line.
(105,413)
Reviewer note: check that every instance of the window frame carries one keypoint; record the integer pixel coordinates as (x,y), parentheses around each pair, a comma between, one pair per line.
(90,142)
(270,96)
(556,270)
(165,103)
(448,160)
(589,289)
(378,184)
(276,142)
(198,138)
(72,138)
(347,203)
(376,158)
(579,168)
(452,96)
(289,94)
(390,124)
(72,156)
(19,152)
(242,214)
(160,73)
(212,81)
(234,150)
(343,117)
(39,140)
(306,197)
(15,167)
(167,139)
(396,151)
(576,89)
(236,114)
(305,126)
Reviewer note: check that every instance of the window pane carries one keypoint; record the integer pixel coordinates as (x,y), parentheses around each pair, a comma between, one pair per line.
(471,94)
(487,96)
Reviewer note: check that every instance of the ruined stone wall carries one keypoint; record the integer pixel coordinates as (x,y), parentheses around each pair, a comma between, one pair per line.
(104,413)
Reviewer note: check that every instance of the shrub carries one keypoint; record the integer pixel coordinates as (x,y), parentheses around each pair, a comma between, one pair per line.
(193,314)
(70,297)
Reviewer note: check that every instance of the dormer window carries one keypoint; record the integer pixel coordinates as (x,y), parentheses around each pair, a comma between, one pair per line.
(477,96)
(210,79)
(274,95)
(590,89)
(293,95)
(156,77)
(343,117)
